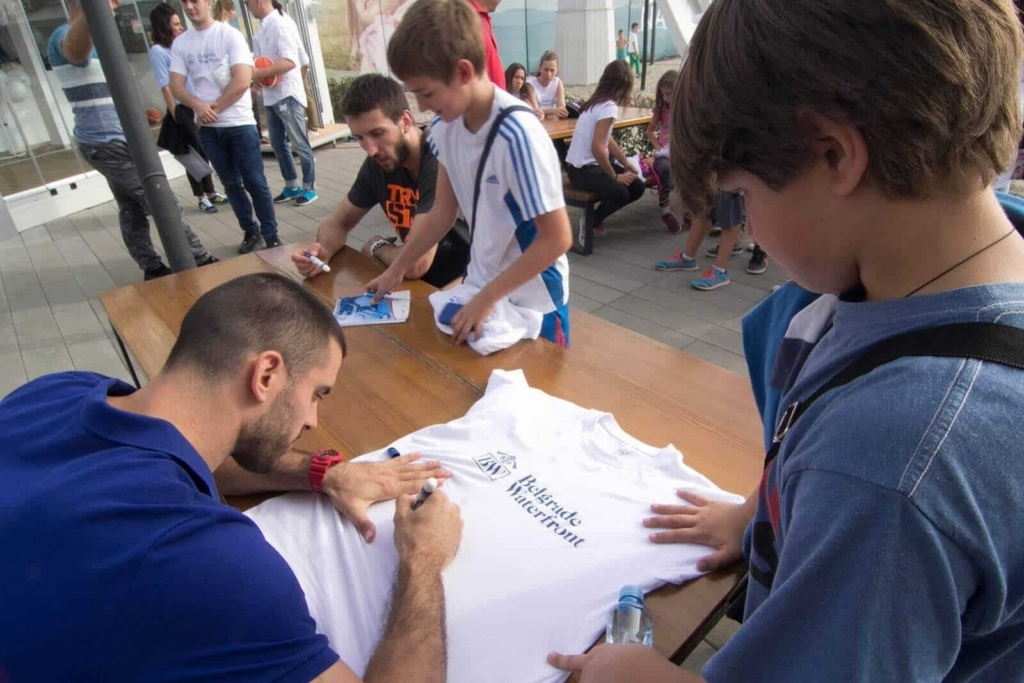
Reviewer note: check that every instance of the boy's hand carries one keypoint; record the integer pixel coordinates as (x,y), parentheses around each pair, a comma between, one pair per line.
(304,265)
(712,523)
(470,318)
(625,178)
(384,283)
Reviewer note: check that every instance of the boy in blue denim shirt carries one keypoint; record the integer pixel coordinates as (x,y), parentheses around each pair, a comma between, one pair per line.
(884,540)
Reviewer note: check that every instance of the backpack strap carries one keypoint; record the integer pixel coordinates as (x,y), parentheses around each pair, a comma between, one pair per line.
(982,341)
(491,134)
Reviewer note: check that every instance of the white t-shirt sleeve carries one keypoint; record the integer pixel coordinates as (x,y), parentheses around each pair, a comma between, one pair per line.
(238,51)
(178,65)
(531,165)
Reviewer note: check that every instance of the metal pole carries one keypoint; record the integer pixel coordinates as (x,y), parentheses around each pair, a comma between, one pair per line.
(128,103)
(526,31)
(643,51)
(654,29)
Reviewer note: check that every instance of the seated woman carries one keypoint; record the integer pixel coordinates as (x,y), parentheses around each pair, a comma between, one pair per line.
(515,79)
(594,161)
(548,86)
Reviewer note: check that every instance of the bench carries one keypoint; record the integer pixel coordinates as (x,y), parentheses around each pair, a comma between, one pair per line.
(583,240)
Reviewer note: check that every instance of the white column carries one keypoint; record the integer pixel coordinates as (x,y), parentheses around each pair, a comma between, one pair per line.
(584,39)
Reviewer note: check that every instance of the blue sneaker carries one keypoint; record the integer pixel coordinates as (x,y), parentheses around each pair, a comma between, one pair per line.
(679,261)
(306,198)
(288,194)
(711,278)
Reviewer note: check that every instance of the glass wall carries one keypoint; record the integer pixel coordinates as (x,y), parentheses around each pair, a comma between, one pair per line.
(36,122)
(354,33)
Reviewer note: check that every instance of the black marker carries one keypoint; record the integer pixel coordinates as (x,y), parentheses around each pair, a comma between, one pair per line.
(429,487)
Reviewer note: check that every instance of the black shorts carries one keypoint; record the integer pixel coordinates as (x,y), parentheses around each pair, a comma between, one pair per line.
(450,261)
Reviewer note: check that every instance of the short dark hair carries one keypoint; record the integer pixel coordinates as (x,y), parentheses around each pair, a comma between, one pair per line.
(635,25)
(252,314)
(931,85)
(375,91)
(433,36)
(160,22)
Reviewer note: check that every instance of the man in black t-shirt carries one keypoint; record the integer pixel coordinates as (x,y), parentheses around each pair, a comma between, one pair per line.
(398,175)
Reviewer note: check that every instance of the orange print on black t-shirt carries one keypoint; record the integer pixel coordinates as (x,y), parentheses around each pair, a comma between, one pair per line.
(401,205)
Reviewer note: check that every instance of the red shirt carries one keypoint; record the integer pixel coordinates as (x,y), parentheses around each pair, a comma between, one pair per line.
(495,70)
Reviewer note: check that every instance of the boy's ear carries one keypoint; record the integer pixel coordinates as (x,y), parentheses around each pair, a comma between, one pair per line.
(840,146)
(464,72)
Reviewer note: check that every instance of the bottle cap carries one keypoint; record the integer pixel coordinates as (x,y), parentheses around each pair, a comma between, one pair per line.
(631,594)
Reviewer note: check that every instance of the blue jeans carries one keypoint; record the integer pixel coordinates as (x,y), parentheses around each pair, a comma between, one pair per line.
(235,154)
(288,118)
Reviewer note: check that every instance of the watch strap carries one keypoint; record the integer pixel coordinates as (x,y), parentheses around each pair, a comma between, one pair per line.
(318,466)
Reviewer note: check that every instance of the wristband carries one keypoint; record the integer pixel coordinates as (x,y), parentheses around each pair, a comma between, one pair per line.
(377,245)
(318,466)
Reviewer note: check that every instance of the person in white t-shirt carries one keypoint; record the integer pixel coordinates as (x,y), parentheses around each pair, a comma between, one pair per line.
(633,49)
(594,162)
(216,59)
(519,229)
(549,88)
(285,102)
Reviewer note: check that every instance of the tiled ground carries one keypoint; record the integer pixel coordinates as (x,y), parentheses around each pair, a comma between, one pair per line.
(50,277)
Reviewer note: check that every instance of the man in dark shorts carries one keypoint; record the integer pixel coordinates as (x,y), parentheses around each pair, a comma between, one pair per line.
(398,175)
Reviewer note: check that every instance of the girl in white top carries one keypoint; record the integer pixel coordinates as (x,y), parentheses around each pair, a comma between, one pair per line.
(594,161)
(547,85)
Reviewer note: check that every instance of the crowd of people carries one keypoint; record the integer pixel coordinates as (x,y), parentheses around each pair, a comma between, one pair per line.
(858,142)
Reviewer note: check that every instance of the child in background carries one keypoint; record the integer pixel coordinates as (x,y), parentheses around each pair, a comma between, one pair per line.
(658,132)
(519,229)
(620,46)
(515,78)
(594,162)
(549,88)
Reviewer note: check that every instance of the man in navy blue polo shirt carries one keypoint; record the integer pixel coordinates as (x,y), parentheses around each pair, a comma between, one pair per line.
(119,561)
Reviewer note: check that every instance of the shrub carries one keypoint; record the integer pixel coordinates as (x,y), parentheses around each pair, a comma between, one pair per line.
(338,87)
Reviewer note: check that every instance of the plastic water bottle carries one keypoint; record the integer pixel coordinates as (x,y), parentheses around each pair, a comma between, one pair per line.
(630,622)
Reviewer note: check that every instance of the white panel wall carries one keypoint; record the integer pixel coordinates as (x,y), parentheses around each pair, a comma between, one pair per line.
(584,39)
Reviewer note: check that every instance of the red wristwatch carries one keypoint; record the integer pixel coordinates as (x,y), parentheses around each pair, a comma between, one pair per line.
(318,466)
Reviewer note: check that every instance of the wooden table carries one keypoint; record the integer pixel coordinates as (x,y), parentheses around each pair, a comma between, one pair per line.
(401,378)
(627,116)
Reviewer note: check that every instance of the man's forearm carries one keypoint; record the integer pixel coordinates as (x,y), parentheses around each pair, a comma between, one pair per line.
(236,88)
(290,474)
(427,231)
(414,645)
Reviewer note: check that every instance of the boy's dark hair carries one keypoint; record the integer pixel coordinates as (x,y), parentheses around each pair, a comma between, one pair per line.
(634,25)
(615,84)
(374,91)
(160,24)
(930,84)
(252,314)
(433,36)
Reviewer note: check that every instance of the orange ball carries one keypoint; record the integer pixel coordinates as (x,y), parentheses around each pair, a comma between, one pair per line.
(154,116)
(265,63)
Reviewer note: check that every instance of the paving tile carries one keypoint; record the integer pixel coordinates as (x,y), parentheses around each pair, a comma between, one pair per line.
(666,317)
(644,327)
(726,339)
(43,360)
(593,290)
(721,632)
(718,356)
(582,303)
(605,277)
(77,322)
(699,657)
(12,373)
(98,354)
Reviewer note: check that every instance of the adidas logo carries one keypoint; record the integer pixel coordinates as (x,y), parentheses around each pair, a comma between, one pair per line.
(492,179)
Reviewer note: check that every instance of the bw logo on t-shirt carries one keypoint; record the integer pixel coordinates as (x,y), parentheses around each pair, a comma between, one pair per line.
(496,465)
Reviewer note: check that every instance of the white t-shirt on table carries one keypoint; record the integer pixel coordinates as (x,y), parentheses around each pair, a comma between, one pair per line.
(522,180)
(552,499)
(278,38)
(581,151)
(207,57)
